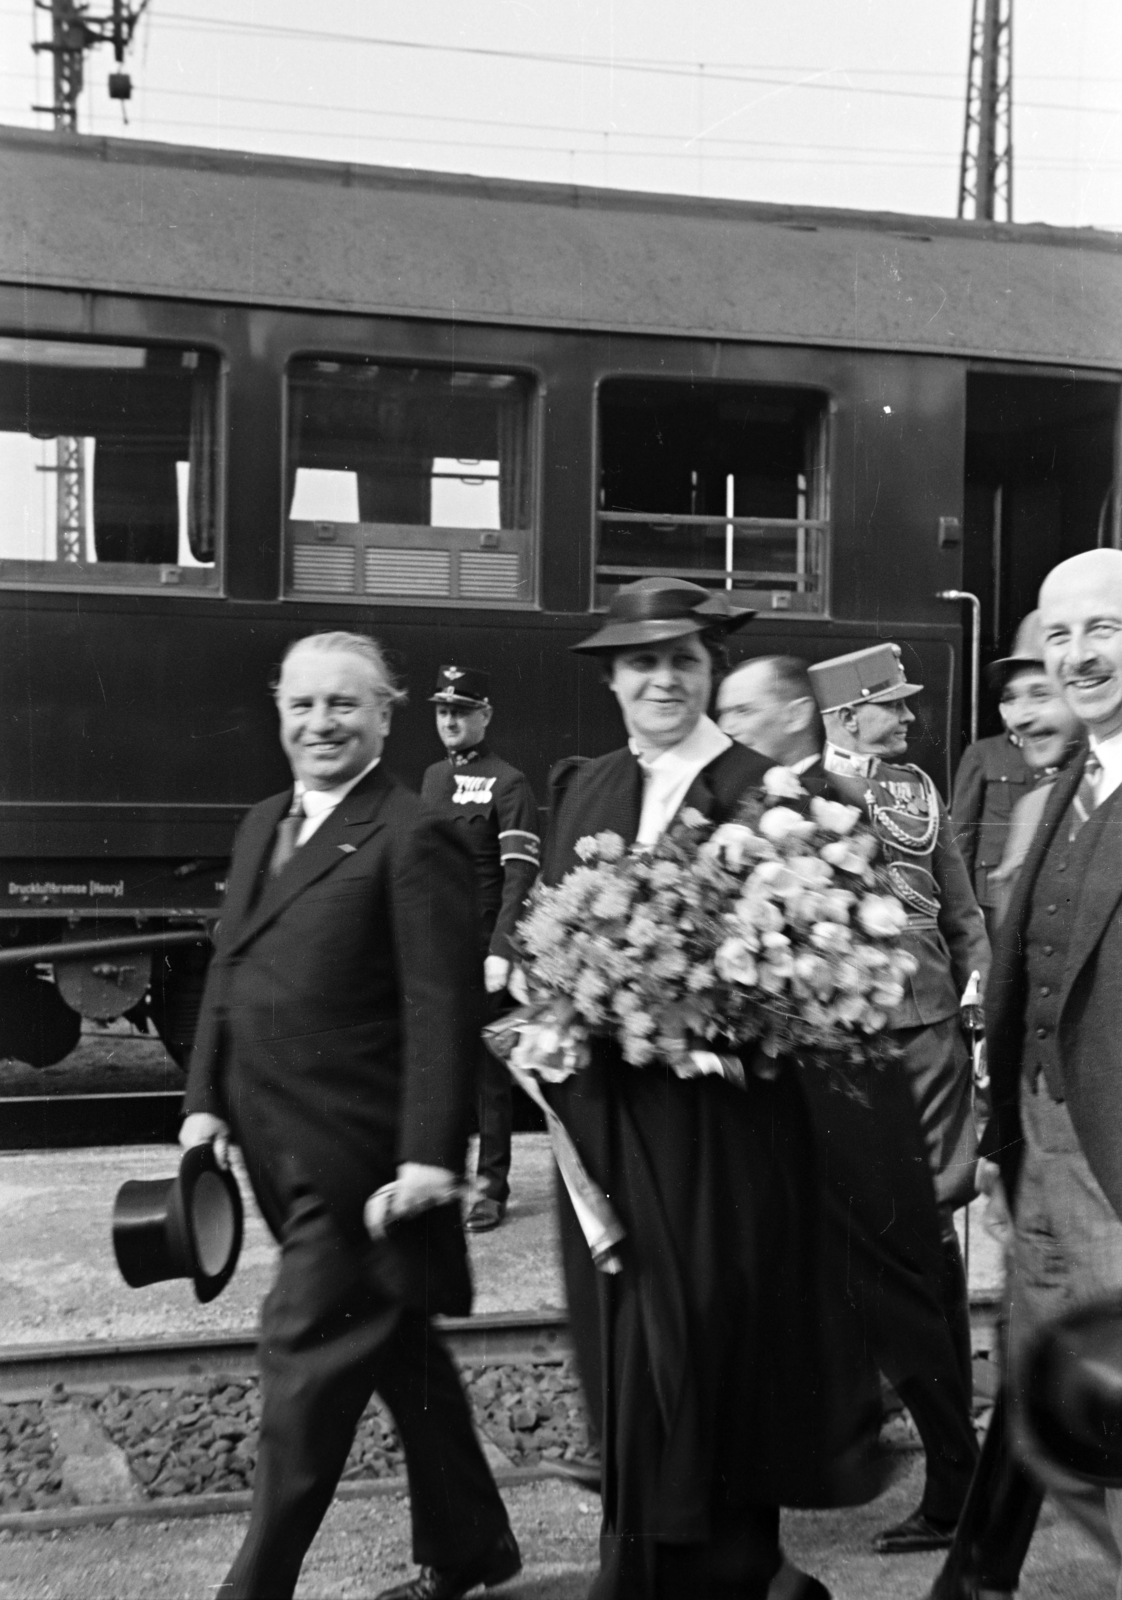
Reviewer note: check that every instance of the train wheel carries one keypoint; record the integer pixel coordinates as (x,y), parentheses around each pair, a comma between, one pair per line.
(36,1024)
(176,994)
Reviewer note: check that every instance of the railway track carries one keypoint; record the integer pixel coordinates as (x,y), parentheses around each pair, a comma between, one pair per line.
(29,1371)
(80,1121)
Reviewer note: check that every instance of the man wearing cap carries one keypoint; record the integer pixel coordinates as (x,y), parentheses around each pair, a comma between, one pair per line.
(993,774)
(493,810)
(1055,1058)
(885,1232)
(863,697)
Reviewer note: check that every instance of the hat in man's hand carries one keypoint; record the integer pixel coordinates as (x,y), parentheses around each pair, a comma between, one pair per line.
(1074,1392)
(189,1226)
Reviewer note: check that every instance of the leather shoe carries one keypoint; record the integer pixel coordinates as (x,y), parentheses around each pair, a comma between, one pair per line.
(502,1561)
(485,1214)
(914,1534)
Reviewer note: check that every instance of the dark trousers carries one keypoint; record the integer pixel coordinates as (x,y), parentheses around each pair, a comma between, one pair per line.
(998,1519)
(495,1110)
(888,1240)
(330,1337)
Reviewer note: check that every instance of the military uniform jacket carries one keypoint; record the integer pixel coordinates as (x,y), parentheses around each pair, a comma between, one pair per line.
(924,866)
(992,776)
(493,810)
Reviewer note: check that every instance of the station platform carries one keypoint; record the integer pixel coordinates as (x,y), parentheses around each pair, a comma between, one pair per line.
(59,1281)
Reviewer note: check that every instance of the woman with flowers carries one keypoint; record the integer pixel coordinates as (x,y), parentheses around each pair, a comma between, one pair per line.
(711,1354)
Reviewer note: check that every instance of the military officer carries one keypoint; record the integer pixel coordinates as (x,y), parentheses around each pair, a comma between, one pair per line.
(863,697)
(494,807)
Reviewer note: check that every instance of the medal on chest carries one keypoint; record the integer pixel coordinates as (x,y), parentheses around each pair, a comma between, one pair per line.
(472,790)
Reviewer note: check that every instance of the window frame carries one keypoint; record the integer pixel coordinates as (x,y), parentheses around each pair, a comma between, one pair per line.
(88,582)
(534,438)
(826,437)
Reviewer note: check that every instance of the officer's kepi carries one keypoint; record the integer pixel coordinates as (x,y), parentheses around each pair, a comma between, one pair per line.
(462,686)
(863,677)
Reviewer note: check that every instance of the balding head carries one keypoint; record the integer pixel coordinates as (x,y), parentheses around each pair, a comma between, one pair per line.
(768,705)
(1081,625)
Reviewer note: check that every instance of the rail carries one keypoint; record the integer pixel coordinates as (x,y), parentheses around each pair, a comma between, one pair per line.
(83,949)
(800,584)
(27,1371)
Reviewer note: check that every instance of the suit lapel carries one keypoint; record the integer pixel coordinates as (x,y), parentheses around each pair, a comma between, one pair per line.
(250,861)
(1058,801)
(348,827)
(1100,887)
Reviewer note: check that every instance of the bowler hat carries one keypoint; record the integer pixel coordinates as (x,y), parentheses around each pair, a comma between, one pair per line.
(1027,655)
(461,686)
(862,677)
(1074,1392)
(655,610)
(189,1226)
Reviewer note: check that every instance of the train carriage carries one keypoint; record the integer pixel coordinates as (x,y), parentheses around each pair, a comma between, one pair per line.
(244,397)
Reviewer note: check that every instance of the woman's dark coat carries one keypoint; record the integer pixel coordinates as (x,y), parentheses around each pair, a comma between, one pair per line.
(712,1356)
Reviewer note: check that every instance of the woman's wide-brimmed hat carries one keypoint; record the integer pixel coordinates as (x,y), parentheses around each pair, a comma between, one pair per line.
(189,1226)
(1027,655)
(657,609)
(1074,1392)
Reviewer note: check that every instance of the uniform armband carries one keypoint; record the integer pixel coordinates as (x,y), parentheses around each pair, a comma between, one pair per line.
(517,845)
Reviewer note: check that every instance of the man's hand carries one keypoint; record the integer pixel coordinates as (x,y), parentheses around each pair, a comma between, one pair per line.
(970,1010)
(997,1220)
(416,1188)
(496,974)
(202,1128)
(518,987)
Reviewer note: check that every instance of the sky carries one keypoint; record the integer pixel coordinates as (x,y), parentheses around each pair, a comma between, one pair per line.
(853,103)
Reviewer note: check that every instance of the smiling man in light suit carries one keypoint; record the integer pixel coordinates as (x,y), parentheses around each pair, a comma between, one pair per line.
(337,1044)
(1055,1055)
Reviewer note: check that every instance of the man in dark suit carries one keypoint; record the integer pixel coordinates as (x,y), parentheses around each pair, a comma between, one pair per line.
(1055,1055)
(885,1233)
(337,1044)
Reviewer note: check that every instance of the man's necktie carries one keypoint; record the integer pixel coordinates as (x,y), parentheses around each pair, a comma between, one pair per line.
(1086,797)
(287,829)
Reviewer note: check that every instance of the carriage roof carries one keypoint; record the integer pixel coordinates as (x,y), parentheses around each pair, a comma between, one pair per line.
(128,217)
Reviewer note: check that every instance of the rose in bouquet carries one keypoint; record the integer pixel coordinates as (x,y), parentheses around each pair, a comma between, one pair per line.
(772,931)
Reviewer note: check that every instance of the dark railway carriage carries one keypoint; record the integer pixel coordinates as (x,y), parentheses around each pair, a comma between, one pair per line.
(244,397)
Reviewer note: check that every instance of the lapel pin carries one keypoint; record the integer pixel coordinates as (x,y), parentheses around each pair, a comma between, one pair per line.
(348,849)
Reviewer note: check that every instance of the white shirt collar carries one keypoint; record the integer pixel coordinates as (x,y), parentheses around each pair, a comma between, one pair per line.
(318,802)
(1109,755)
(669,774)
(799,767)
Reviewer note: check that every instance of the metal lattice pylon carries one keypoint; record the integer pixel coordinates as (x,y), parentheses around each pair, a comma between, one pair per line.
(986,173)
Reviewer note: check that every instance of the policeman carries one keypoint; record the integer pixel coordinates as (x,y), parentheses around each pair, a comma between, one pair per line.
(863,697)
(494,807)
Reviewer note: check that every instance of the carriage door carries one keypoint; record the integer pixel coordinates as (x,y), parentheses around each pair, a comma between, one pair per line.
(1042,484)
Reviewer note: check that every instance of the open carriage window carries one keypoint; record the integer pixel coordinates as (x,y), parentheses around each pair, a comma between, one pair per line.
(108,464)
(724,484)
(409,483)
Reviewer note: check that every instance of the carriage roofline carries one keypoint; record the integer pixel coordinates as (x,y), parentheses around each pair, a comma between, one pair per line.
(130,217)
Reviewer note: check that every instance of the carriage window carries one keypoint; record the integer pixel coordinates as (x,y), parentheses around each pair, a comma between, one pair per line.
(409,483)
(107,464)
(723,484)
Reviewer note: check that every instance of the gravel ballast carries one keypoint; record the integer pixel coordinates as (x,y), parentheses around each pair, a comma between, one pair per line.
(200,1436)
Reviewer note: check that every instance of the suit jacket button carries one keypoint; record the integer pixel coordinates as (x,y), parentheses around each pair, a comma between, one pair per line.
(1042,1033)
(1044,989)
(1052,910)
(1049,949)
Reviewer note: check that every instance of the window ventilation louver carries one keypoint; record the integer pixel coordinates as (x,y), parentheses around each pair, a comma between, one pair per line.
(488,575)
(423,572)
(320,571)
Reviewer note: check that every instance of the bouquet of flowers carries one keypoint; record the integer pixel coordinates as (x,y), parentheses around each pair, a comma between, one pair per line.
(773,931)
